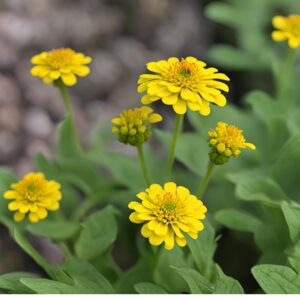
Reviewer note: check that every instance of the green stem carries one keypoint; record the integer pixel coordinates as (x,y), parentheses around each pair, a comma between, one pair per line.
(156,258)
(285,74)
(143,164)
(206,179)
(177,129)
(68,107)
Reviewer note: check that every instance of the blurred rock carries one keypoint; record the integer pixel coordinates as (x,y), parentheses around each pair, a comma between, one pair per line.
(10,145)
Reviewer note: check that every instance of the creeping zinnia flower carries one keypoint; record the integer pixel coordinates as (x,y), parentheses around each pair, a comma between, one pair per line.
(33,195)
(169,213)
(183,83)
(288,28)
(63,63)
(133,125)
(226,141)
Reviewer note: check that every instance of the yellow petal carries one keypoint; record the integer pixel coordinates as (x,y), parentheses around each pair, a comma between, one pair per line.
(81,71)
(135,219)
(145,231)
(10,194)
(187,94)
(170,100)
(54,75)
(147,99)
(293,42)
(155,240)
(170,187)
(174,88)
(279,22)
(54,206)
(14,205)
(180,107)
(69,79)
(193,106)
(42,213)
(169,239)
(33,217)
(181,242)
(278,36)
(161,229)
(18,217)
(220,100)
(250,146)
(155,118)
(204,109)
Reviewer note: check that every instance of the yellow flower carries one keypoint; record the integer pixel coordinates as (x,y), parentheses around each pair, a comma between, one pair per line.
(33,195)
(169,213)
(226,141)
(61,63)
(183,83)
(288,28)
(133,125)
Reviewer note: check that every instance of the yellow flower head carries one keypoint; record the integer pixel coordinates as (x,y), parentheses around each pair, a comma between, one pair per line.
(226,141)
(183,83)
(63,63)
(287,28)
(33,195)
(169,213)
(133,125)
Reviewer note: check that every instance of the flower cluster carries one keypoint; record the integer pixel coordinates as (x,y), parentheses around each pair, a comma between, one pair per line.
(287,28)
(62,64)
(33,195)
(184,83)
(133,125)
(226,141)
(169,213)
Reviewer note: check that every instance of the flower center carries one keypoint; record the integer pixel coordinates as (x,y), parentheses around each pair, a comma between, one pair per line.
(60,58)
(232,136)
(32,190)
(182,73)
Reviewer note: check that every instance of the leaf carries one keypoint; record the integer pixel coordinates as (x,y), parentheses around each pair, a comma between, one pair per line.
(225,284)
(86,275)
(275,279)
(292,216)
(11,282)
(54,271)
(57,230)
(139,272)
(238,220)
(287,160)
(203,250)
(265,190)
(67,144)
(149,288)
(98,233)
(196,282)
(191,150)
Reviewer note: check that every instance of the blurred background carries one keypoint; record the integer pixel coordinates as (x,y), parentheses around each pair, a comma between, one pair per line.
(121,36)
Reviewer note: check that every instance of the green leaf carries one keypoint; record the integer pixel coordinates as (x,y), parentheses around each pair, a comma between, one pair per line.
(238,220)
(288,158)
(196,282)
(196,161)
(57,230)
(203,249)
(86,275)
(292,216)
(98,233)
(226,285)
(275,279)
(11,282)
(139,272)
(67,144)
(265,190)
(149,288)
(54,271)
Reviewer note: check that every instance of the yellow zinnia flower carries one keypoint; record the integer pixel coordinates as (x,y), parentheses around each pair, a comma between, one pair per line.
(62,63)
(169,213)
(288,28)
(183,83)
(226,141)
(34,195)
(133,125)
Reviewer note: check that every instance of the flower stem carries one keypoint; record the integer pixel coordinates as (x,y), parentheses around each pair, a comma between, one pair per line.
(68,107)
(206,179)
(285,74)
(143,164)
(156,258)
(177,129)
